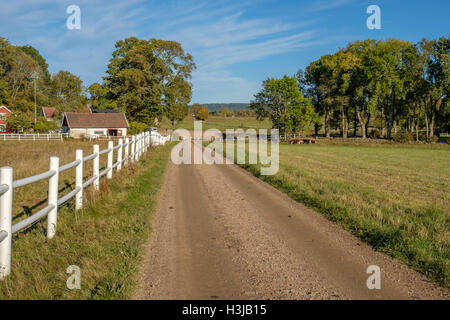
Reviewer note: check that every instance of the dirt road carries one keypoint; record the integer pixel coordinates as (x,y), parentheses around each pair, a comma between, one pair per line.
(221,233)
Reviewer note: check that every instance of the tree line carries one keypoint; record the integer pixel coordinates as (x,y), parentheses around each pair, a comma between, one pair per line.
(390,86)
(145,79)
(26,80)
(202,112)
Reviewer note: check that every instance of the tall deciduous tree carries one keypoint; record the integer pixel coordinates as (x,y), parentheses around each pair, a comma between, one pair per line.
(68,91)
(393,81)
(99,97)
(437,76)
(24,79)
(177,95)
(149,78)
(282,101)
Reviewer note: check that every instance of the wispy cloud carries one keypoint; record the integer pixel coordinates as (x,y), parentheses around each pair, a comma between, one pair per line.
(322,5)
(224,36)
(219,34)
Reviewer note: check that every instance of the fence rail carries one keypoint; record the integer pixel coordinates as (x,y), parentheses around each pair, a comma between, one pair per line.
(138,145)
(33,136)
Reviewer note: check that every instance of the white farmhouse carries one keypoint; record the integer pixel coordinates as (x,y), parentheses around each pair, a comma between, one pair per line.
(80,125)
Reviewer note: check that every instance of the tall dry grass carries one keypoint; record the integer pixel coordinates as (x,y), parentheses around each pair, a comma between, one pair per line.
(28,158)
(105,239)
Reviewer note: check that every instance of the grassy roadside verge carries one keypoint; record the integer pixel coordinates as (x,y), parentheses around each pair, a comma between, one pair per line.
(394,199)
(104,239)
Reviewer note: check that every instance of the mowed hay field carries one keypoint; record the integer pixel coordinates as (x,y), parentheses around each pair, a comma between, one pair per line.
(395,197)
(28,158)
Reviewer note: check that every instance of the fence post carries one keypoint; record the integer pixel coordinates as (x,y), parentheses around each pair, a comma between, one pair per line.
(136,156)
(110,159)
(141,147)
(53,198)
(133,148)
(119,155)
(141,139)
(138,141)
(79,180)
(96,167)
(6,178)
(150,137)
(127,150)
(145,141)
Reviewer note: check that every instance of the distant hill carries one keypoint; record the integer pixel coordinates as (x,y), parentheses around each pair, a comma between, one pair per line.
(230,106)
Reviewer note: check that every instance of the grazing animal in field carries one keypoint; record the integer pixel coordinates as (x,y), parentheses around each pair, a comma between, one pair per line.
(301,140)
(295,141)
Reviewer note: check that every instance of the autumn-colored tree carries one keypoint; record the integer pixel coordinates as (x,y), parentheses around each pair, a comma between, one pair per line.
(203,113)
(194,109)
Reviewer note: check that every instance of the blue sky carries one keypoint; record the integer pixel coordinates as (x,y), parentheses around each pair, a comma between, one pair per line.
(236,44)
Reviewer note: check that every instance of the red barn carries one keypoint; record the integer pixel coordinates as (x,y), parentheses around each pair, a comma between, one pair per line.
(4,113)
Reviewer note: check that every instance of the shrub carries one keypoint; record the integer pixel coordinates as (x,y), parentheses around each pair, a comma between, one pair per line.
(43,126)
(402,136)
(137,127)
(375,134)
(423,137)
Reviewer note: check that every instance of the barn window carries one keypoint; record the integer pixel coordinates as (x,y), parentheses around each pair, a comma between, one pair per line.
(2,116)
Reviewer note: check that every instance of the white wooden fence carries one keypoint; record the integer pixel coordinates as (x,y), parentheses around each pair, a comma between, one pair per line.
(33,136)
(138,145)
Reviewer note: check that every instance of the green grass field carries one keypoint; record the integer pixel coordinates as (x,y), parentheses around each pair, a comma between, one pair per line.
(394,197)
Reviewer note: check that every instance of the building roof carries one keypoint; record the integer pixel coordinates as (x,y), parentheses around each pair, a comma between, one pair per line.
(49,112)
(1,107)
(95,120)
(104,111)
